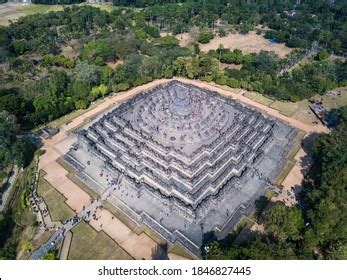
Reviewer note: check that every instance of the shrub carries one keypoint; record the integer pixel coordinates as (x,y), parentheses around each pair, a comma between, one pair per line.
(205,37)
(122,87)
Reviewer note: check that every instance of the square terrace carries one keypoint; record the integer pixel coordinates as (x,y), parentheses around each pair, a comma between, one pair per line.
(183,160)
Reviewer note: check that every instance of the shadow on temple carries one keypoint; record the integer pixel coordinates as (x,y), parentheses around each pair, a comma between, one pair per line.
(160,252)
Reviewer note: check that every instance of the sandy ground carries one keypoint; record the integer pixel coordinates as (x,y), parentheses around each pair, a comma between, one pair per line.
(138,246)
(114,64)
(292,183)
(248,43)
(9,12)
(185,39)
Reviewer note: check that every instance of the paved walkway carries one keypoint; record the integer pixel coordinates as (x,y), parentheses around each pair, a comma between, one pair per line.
(86,214)
(7,188)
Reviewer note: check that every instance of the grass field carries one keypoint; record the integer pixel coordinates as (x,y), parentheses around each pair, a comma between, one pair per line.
(286,108)
(88,244)
(300,110)
(37,8)
(263,100)
(251,94)
(248,43)
(57,207)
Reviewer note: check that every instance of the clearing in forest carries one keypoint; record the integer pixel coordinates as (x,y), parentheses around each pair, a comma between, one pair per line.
(248,43)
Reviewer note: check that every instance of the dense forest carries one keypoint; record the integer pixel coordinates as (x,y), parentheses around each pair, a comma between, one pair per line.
(317,230)
(296,25)
(54,63)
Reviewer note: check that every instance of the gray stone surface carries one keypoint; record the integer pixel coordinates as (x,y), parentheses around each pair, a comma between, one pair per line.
(194,161)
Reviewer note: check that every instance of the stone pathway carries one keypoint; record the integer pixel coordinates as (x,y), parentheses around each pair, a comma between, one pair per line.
(86,214)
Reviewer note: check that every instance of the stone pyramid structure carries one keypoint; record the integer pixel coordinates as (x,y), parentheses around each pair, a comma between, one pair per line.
(182,160)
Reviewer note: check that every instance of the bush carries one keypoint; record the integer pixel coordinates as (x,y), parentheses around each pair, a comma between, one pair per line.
(100,90)
(222,32)
(322,55)
(207,79)
(233,83)
(122,87)
(57,60)
(205,37)
(3,175)
(81,104)
(98,51)
(40,152)
(152,31)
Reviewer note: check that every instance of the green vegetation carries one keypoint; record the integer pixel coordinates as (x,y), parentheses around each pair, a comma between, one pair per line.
(231,57)
(316,231)
(51,255)
(205,37)
(13,150)
(88,244)
(98,52)
(57,60)
(61,2)
(121,48)
(3,175)
(16,217)
(320,21)
(39,8)
(41,89)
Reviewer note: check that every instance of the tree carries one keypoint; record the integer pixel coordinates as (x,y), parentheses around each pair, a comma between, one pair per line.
(98,91)
(322,55)
(20,46)
(12,148)
(222,32)
(284,222)
(152,31)
(81,92)
(336,45)
(87,72)
(99,52)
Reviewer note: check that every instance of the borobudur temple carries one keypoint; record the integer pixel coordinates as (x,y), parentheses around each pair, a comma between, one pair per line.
(182,160)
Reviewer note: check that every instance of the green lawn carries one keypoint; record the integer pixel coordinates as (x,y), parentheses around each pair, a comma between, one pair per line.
(37,8)
(251,94)
(285,108)
(88,244)
(263,100)
(57,207)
